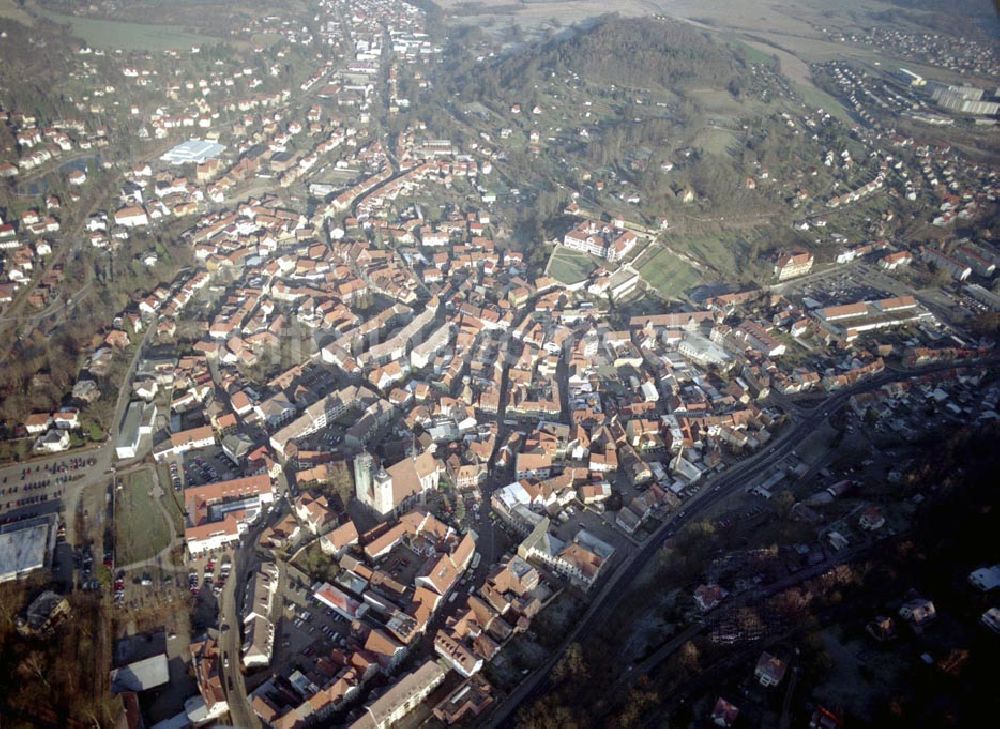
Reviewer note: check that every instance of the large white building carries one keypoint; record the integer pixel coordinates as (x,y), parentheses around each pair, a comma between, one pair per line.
(964,99)
(193,150)
(791,265)
(703,351)
(26,546)
(602,240)
(138,421)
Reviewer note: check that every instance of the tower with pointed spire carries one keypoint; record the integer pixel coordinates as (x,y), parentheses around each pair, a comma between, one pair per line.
(382,500)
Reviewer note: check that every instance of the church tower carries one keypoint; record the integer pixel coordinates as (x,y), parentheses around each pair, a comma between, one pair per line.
(363,477)
(382,500)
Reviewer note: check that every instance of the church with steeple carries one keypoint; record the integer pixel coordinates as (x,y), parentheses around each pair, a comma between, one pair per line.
(388,490)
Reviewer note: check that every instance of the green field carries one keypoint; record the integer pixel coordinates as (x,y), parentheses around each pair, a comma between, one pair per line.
(724,252)
(754,54)
(264,40)
(570,266)
(669,275)
(714,140)
(816,98)
(9,9)
(140,529)
(129,36)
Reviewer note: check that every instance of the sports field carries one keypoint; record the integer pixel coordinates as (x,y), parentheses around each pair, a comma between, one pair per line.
(668,274)
(570,266)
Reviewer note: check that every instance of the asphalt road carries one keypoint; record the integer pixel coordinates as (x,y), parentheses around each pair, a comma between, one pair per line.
(245,559)
(714,490)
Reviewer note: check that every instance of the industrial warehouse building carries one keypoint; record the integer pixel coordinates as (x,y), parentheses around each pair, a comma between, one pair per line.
(26,546)
(193,150)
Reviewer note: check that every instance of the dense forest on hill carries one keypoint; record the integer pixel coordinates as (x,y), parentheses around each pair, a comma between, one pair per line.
(971,18)
(636,53)
(34,64)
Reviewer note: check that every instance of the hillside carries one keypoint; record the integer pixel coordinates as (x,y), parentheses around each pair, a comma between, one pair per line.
(648,119)
(623,52)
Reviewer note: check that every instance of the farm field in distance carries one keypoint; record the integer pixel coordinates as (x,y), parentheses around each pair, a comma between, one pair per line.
(129,36)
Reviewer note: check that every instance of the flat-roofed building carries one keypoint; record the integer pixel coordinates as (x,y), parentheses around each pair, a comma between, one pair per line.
(909,77)
(142,675)
(138,421)
(193,150)
(26,546)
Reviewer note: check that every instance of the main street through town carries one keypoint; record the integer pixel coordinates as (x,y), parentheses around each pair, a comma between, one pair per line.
(245,560)
(803,422)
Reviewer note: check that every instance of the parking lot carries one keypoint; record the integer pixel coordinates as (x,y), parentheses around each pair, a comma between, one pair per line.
(843,284)
(147,588)
(206,465)
(38,486)
(199,467)
(601,525)
(304,625)
(209,573)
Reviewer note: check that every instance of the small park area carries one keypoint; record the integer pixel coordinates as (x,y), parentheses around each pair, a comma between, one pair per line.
(141,531)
